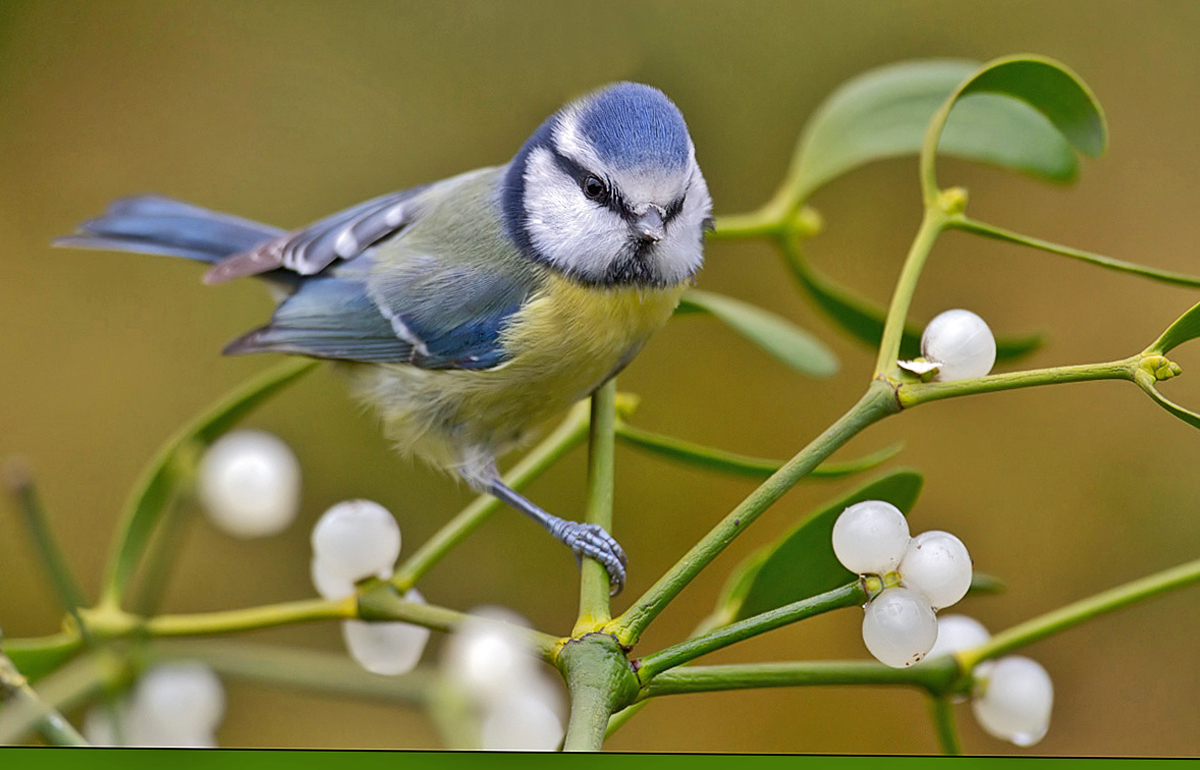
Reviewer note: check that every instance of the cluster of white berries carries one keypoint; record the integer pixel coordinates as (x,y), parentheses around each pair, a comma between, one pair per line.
(1012,697)
(249,484)
(959,344)
(173,704)
(515,703)
(933,571)
(352,541)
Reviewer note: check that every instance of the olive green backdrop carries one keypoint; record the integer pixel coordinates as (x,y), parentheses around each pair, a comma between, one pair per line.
(287,111)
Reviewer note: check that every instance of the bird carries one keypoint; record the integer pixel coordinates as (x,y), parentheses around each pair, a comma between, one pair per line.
(470,310)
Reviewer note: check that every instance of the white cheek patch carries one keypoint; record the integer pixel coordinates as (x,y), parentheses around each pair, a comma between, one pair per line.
(571,232)
(681,253)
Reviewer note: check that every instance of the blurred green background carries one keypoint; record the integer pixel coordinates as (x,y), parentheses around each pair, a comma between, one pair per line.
(287,111)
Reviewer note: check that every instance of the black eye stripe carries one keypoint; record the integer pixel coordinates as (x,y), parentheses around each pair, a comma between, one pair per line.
(572,169)
(612,200)
(674,209)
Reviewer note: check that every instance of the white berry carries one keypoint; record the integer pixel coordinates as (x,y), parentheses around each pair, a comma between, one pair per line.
(960,343)
(870,537)
(176,704)
(328,586)
(486,656)
(356,539)
(957,633)
(249,484)
(1015,701)
(137,729)
(387,648)
(521,720)
(899,627)
(937,564)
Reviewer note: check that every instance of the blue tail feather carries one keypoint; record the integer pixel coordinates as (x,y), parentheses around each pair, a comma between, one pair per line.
(153,224)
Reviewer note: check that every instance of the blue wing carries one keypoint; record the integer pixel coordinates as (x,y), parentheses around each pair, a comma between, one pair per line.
(341,236)
(436,319)
(418,311)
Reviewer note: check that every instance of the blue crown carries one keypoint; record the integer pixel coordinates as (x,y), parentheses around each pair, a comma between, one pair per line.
(633,125)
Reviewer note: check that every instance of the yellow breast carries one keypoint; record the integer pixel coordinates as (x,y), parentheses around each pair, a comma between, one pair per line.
(565,342)
(591,328)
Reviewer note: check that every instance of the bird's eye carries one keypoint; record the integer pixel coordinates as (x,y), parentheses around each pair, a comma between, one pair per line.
(594,188)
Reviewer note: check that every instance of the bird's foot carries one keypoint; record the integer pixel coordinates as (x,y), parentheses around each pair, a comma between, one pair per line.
(592,541)
(588,540)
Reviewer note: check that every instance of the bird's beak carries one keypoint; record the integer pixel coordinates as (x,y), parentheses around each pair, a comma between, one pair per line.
(649,226)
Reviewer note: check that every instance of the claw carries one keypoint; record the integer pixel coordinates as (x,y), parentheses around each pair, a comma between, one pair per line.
(592,541)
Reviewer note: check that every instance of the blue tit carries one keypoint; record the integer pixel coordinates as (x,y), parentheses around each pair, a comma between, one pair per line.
(470,310)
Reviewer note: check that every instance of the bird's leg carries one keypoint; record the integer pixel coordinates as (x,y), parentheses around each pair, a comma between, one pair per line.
(583,539)
(479,470)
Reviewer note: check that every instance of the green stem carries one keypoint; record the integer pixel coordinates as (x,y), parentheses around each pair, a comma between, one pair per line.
(618,720)
(233,621)
(914,393)
(310,670)
(20,483)
(932,225)
(26,709)
(569,434)
(594,585)
(382,602)
(878,402)
(652,665)
(589,719)
(57,731)
(158,483)
(600,681)
(961,222)
(929,145)
(782,217)
(1073,614)
(941,709)
(757,224)
(377,602)
(934,676)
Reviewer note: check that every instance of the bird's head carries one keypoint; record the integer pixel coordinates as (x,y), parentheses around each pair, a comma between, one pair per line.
(607,191)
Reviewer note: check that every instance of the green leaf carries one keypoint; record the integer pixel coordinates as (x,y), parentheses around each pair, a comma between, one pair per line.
(709,458)
(1052,89)
(777,336)
(982,583)
(1042,85)
(1186,327)
(35,658)
(801,564)
(884,113)
(1188,416)
(829,470)
(158,483)
(864,321)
